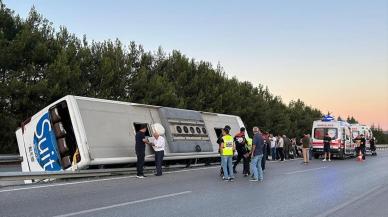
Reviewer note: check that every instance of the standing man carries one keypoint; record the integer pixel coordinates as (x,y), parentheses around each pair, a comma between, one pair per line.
(241,147)
(281,148)
(272,140)
(219,141)
(227,148)
(305,148)
(141,141)
(372,146)
(158,145)
(311,147)
(357,141)
(326,146)
(363,146)
(257,155)
(287,147)
(265,156)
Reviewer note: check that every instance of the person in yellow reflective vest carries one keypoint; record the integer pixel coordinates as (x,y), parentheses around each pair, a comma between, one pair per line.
(227,148)
(249,144)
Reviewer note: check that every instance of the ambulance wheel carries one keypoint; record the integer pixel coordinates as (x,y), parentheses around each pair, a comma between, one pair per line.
(341,155)
(316,156)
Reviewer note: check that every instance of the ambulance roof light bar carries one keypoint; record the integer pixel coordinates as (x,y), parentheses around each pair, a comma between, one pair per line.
(327,118)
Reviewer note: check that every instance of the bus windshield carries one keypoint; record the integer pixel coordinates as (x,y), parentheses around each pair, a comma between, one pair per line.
(319,133)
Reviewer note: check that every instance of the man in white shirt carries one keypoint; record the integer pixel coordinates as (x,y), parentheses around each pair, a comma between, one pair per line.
(272,139)
(281,147)
(158,145)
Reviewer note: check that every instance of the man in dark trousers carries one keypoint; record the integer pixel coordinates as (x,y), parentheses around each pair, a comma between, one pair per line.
(363,146)
(141,141)
(357,141)
(326,146)
(265,136)
(241,147)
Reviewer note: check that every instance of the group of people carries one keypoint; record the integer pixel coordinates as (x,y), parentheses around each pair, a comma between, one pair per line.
(157,142)
(253,152)
(284,148)
(360,142)
(250,151)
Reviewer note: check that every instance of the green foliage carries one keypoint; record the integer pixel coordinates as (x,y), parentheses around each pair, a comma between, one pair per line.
(38,65)
(379,134)
(351,120)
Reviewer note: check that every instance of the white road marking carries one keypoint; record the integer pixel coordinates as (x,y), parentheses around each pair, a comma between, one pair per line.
(123,204)
(308,170)
(96,180)
(349,202)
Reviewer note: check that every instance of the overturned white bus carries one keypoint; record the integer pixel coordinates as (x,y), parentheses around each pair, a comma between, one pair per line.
(79,132)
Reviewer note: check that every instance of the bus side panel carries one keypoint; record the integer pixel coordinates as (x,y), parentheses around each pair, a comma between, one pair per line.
(40,144)
(109,129)
(22,150)
(213,122)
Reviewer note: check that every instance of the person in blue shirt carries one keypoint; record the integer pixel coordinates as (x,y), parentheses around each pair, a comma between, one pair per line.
(257,155)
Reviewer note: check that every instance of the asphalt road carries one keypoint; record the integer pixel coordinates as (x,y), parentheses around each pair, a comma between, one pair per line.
(337,188)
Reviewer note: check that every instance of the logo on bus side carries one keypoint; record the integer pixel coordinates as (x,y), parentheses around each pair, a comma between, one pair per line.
(45,145)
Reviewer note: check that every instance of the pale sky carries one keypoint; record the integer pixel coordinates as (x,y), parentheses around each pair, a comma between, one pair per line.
(331,54)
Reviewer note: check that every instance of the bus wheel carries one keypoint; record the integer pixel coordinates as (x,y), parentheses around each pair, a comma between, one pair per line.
(316,156)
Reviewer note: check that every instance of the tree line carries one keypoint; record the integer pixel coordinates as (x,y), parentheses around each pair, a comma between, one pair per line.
(39,65)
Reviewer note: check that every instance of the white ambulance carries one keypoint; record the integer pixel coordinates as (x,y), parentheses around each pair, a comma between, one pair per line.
(360,129)
(340,132)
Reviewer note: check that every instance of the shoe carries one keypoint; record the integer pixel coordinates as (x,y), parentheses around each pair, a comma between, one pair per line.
(158,174)
(329,160)
(261,180)
(225,179)
(324,159)
(231,179)
(140,177)
(253,180)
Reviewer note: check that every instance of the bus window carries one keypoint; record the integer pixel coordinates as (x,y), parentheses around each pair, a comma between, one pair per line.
(218,132)
(64,133)
(137,128)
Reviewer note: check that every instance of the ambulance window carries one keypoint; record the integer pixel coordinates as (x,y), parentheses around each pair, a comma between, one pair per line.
(354,134)
(332,133)
(319,133)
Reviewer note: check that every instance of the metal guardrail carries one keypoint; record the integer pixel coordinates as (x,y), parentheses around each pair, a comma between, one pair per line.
(13,176)
(382,147)
(6,159)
